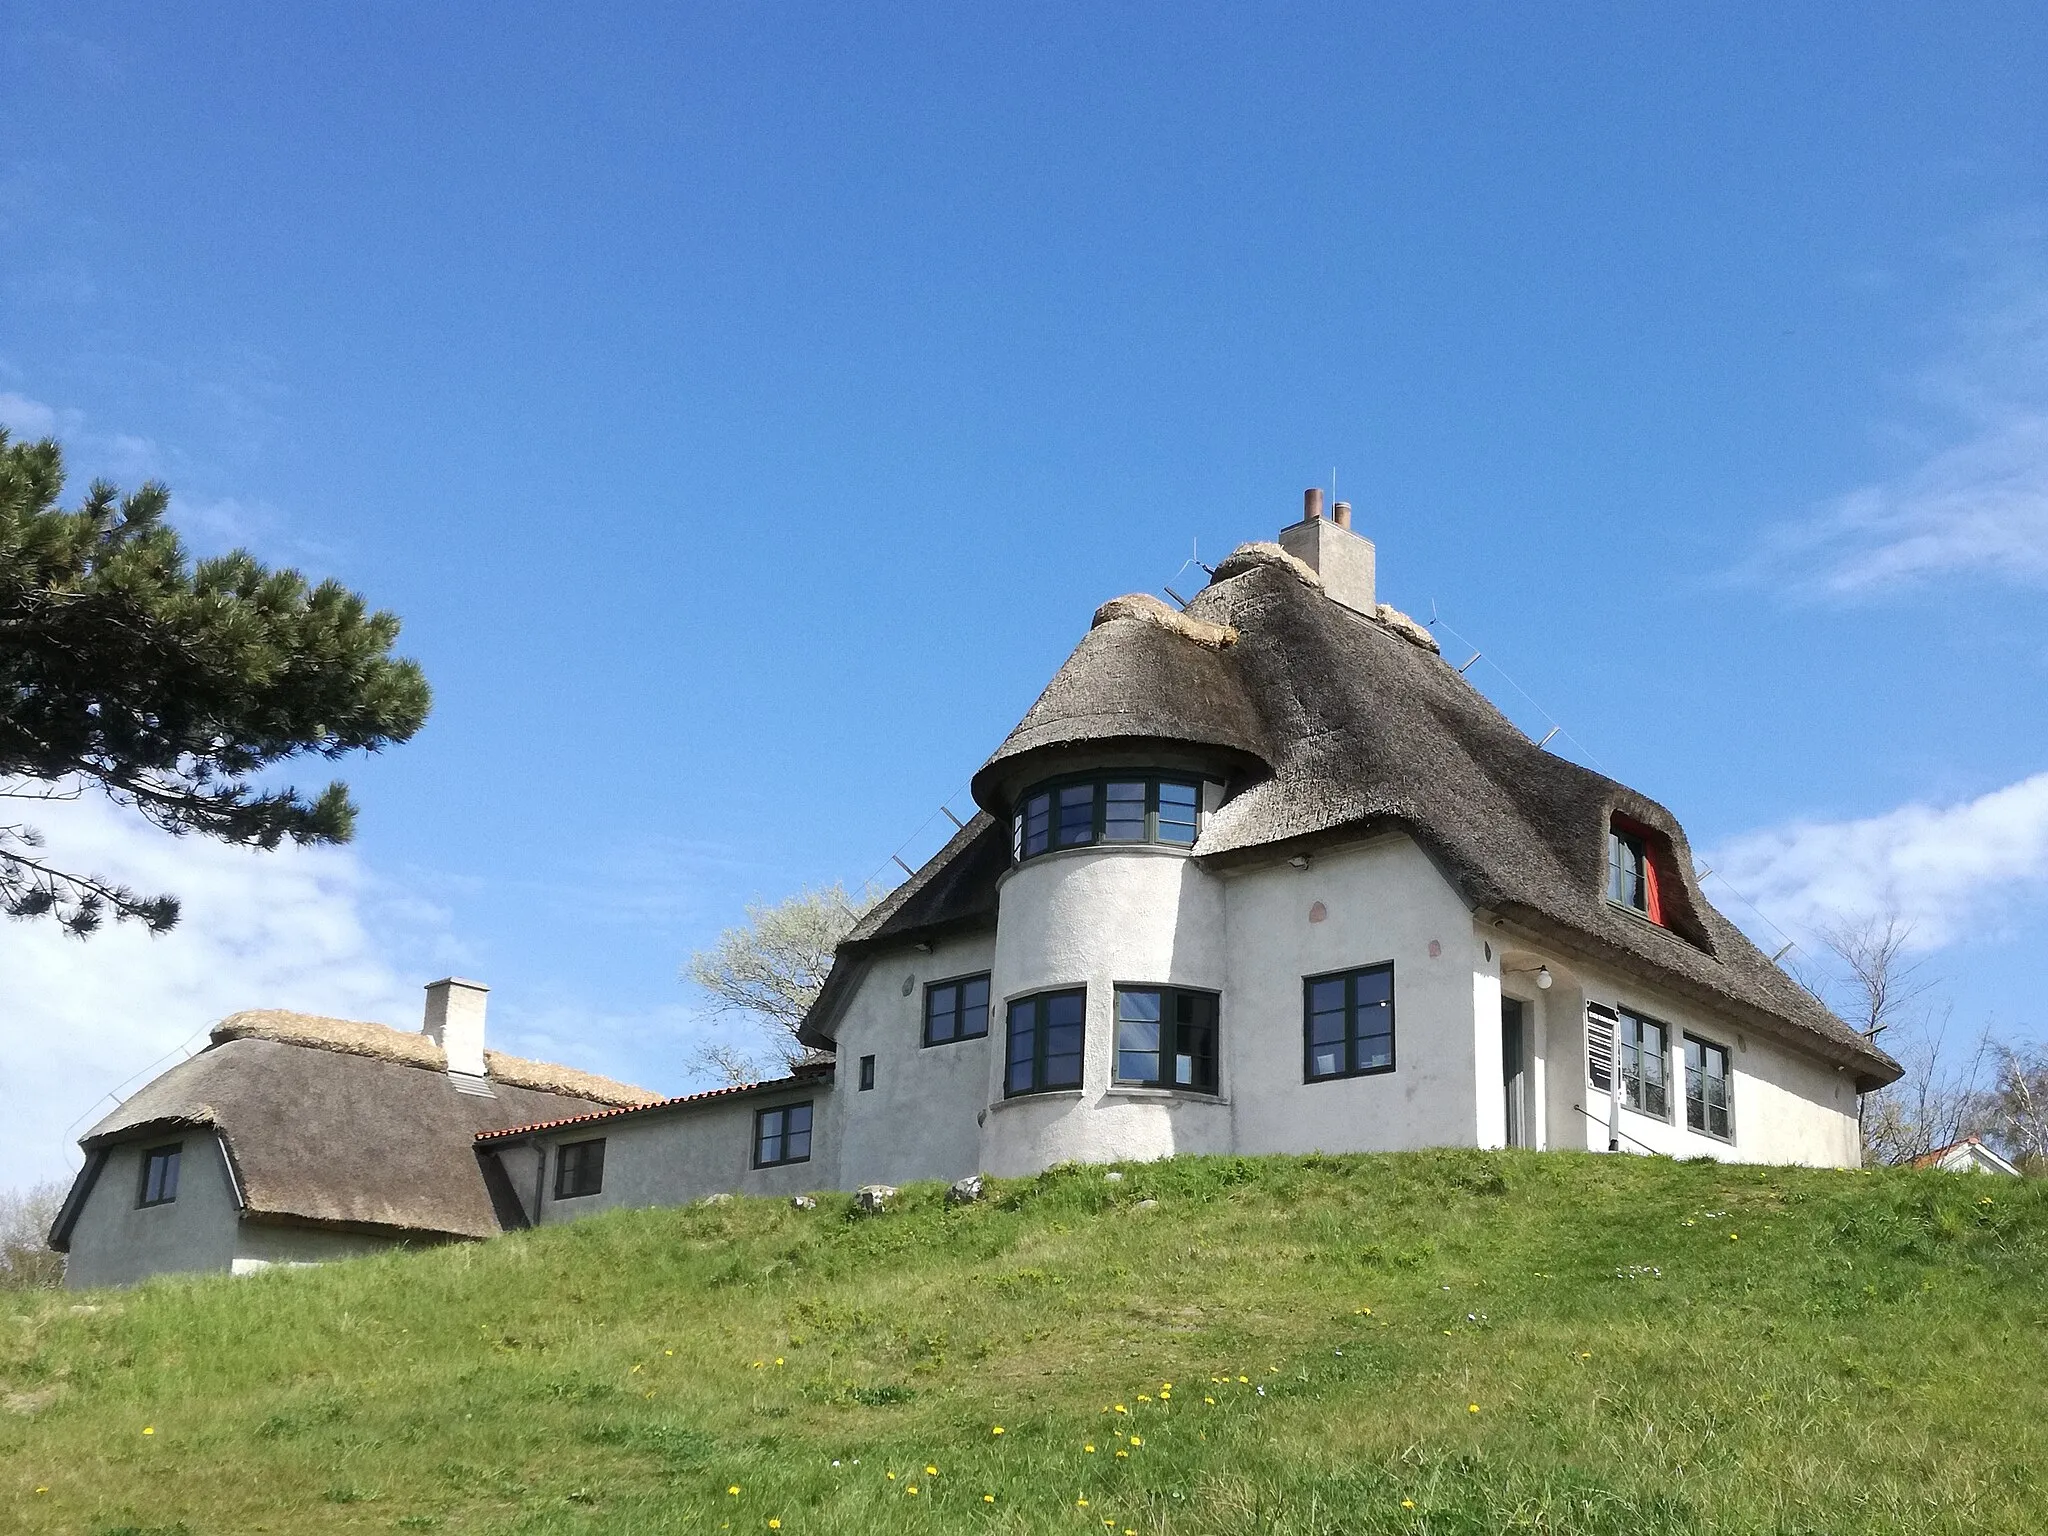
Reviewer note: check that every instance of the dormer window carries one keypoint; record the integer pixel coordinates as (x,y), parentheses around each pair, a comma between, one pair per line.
(1105,808)
(1632,872)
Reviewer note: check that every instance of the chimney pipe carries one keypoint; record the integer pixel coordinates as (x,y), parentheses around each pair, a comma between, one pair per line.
(1343,510)
(1312,504)
(455,1022)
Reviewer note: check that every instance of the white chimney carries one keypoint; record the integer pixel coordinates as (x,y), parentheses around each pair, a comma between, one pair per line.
(1342,558)
(455,1022)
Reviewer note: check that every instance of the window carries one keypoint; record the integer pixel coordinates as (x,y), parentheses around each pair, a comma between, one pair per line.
(1166,1038)
(867,1073)
(1631,872)
(1349,1023)
(956,1010)
(1709,1089)
(1110,808)
(579,1169)
(159,1175)
(1640,1044)
(782,1136)
(1045,1042)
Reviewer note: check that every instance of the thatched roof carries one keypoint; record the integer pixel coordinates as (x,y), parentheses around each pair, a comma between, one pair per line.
(808,1075)
(1329,725)
(349,1124)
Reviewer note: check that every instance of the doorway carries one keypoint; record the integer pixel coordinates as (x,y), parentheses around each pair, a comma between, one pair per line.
(1514,1071)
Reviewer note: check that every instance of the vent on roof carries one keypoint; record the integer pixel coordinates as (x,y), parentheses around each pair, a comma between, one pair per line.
(469,1083)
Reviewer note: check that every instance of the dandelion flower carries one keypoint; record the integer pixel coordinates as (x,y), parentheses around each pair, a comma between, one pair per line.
(1210,1401)
(1407,1503)
(778,1359)
(1734,1237)
(1471,1407)
(1143,1398)
(1164,1396)
(1120,1408)
(734,1490)
(1244,1378)
(988,1498)
(911,1489)
(891,1476)
(149,1429)
(774,1525)
(1166,1386)
(995,1429)
(931,1471)
(1089,1449)
(1123,1455)
(1081,1503)
(1137,1440)
(668,1351)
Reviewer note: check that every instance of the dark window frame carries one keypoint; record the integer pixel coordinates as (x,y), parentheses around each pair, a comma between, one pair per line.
(1628,863)
(784,1133)
(587,1182)
(1689,1039)
(1041,1032)
(1098,782)
(1168,1044)
(1350,977)
(956,984)
(867,1074)
(170,1155)
(1624,1049)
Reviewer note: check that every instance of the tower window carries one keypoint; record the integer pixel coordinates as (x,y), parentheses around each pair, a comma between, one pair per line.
(1106,808)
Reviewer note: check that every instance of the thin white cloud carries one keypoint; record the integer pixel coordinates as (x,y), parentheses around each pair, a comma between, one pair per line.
(296,928)
(31,418)
(1976,500)
(1944,869)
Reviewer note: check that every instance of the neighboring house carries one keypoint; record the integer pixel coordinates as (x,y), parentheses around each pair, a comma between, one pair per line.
(1266,875)
(292,1139)
(1969,1155)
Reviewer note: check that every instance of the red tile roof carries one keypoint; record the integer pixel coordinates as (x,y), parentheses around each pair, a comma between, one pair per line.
(802,1075)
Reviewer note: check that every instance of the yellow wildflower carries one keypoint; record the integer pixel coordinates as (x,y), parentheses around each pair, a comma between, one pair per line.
(911,1489)
(931,1471)
(1089,1449)
(1210,1401)
(149,1429)
(1081,1503)
(996,1429)
(1471,1407)
(778,1359)
(1123,1455)
(774,1525)
(1244,1378)
(891,1476)
(988,1498)
(1164,1396)
(1120,1408)
(1166,1386)
(734,1490)
(1143,1398)
(1137,1440)
(1407,1503)
(668,1351)
(42,1490)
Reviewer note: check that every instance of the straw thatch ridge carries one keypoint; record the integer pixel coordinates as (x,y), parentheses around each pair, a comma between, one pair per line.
(1148,609)
(380,1042)
(1329,725)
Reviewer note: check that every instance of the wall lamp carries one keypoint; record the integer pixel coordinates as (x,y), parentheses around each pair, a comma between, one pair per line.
(1542,975)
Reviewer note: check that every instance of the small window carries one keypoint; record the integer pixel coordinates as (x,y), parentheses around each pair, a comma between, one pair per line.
(867,1073)
(1349,1023)
(782,1136)
(956,1010)
(1645,1083)
(1632,872)
(579,1169)
(1046,1032)
(159,1175)
(1166,1038)
(1074,813)
(1709,1089)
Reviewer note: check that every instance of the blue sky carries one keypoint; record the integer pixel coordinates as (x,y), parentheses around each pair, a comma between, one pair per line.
(745,409)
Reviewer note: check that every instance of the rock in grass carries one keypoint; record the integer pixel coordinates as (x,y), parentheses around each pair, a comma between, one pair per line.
(721,1198)
(1114,1176)
(874,1197)
(803,1202)
(965,1191)
(1147,1205)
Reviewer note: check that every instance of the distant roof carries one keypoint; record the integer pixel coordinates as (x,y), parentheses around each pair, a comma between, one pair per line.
(1969,1154)
(344,1123)
(1331,725)
(803,1077)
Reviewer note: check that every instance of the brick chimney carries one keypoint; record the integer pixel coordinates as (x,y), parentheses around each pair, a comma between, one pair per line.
(1341,557)
(455,1022)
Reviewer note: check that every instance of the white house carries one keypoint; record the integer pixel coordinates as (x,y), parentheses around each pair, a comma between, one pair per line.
(1266,875)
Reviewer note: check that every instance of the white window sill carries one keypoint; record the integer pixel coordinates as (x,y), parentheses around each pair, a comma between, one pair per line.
(1170,1095)
(1016,1101)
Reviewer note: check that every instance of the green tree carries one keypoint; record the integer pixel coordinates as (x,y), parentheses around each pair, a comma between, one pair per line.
(769,971)
(170,686)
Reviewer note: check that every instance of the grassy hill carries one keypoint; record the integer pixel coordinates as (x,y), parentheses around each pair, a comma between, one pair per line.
(1429,1343)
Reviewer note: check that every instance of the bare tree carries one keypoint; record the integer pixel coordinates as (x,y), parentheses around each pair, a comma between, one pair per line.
(2017,1108)
(1941,1097)
(769,970)
(27,1261)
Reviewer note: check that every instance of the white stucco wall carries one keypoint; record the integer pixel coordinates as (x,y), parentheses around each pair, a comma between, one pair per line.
(1092,918)
(676,1156)
(117,1242)
(260,1244)
(1381,901)
(921,1120)
(1789,1107)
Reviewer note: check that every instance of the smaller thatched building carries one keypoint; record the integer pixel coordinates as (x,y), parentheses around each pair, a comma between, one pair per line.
(294,1139)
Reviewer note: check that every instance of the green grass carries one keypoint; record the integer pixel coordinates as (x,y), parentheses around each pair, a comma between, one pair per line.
(1650,1346)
